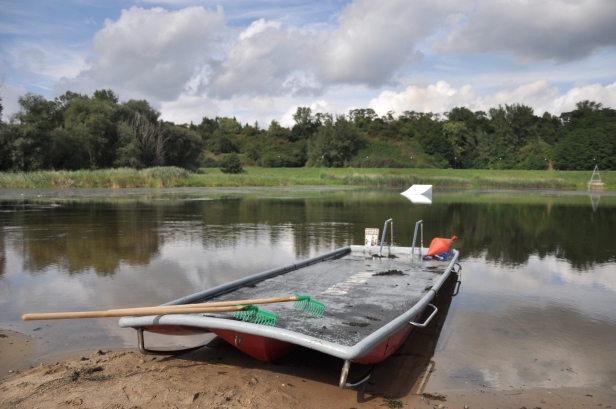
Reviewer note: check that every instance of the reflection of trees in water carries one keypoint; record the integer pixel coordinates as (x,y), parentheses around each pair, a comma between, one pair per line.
(100,236)
(78,238)
(2,252)
(303,223)
(510,234)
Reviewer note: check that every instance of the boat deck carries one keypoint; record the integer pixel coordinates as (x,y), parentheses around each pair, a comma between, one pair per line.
(361,293)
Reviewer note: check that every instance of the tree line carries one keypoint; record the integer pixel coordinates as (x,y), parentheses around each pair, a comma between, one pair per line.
(76,131)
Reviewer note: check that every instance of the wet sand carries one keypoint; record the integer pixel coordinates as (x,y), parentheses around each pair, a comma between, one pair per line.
(218,376)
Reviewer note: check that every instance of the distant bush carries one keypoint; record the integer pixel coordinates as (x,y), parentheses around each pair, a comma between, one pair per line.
(209,162)
(230,163)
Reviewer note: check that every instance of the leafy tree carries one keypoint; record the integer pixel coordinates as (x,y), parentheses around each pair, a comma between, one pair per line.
(334,143)
(93,122)
(461,114)
(462,142)
(221,143)
(129,152)
(145,144)
(67,151)
(588,138)
(7,135)
(230,163)
(106,95)
(65,99)
(305,124)
(229,126)
(549,127)
(130,108)
(439,147)
(35,110)
(30,140)
(206,128)
(362,118)
(275,130)
(182,147)
(534,156)
(513,127)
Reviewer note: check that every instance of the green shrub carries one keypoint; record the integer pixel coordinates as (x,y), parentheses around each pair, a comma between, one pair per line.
(230,164)
(209,162)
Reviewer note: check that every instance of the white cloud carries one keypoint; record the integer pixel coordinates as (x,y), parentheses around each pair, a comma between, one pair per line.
(371,44)
(156,52)
(594,92)
(10,94)
(255,62)
(538,94)
(259,26)
(188,108)
(442,97)
(377,39)
(263,61)
(436,98)
(318,106)
(559,30)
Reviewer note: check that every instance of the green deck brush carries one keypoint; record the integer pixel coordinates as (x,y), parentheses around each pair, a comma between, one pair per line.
(256,316)
(305,303)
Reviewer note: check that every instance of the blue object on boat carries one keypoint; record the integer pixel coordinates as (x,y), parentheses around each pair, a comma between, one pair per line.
(442,256)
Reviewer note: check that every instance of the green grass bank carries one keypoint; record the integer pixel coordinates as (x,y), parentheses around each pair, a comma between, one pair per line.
(176,177)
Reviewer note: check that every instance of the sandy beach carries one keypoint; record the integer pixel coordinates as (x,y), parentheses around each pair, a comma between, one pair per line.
(218,376)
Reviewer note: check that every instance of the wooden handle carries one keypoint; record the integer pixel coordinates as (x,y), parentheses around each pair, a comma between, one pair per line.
(237,302)
(236,305)
(133,312)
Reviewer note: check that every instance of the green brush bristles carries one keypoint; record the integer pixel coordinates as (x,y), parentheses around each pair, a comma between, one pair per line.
(256,316)
(309,305)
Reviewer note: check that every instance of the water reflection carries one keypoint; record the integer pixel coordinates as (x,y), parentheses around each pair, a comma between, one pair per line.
(594,201)
(538,267)
(529,327)
(100,236)
(99,239)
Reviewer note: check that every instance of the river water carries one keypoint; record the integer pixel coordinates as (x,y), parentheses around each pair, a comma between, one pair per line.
(536,306)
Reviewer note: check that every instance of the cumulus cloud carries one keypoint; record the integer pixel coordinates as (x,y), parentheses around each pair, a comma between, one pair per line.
(319,106)
(371,44)
(537,94)
(256,63)
(594,92)
(163,53)
(558,30)
(155,51)
(264,61)
(442,97)
(10,94)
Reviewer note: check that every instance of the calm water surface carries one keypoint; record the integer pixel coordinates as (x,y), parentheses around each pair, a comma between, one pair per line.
(536,305)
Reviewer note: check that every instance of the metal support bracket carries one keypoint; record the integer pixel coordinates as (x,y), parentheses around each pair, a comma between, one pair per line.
(429,318)
(391,242)
(345,374)
(459,281)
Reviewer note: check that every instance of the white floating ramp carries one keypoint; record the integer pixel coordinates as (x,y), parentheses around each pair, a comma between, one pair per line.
(419,194)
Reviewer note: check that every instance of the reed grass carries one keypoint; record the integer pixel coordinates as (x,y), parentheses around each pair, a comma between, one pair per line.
(267,177)
(522,183)
(107,178)
(392,180)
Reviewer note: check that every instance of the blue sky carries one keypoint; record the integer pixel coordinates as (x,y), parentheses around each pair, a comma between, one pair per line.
(260,60)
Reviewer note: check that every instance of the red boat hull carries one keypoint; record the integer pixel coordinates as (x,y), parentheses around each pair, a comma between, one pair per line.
(261,348)
(386,348)
(269,349)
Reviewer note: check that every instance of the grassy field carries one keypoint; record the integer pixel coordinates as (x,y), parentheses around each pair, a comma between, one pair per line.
(210,177)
